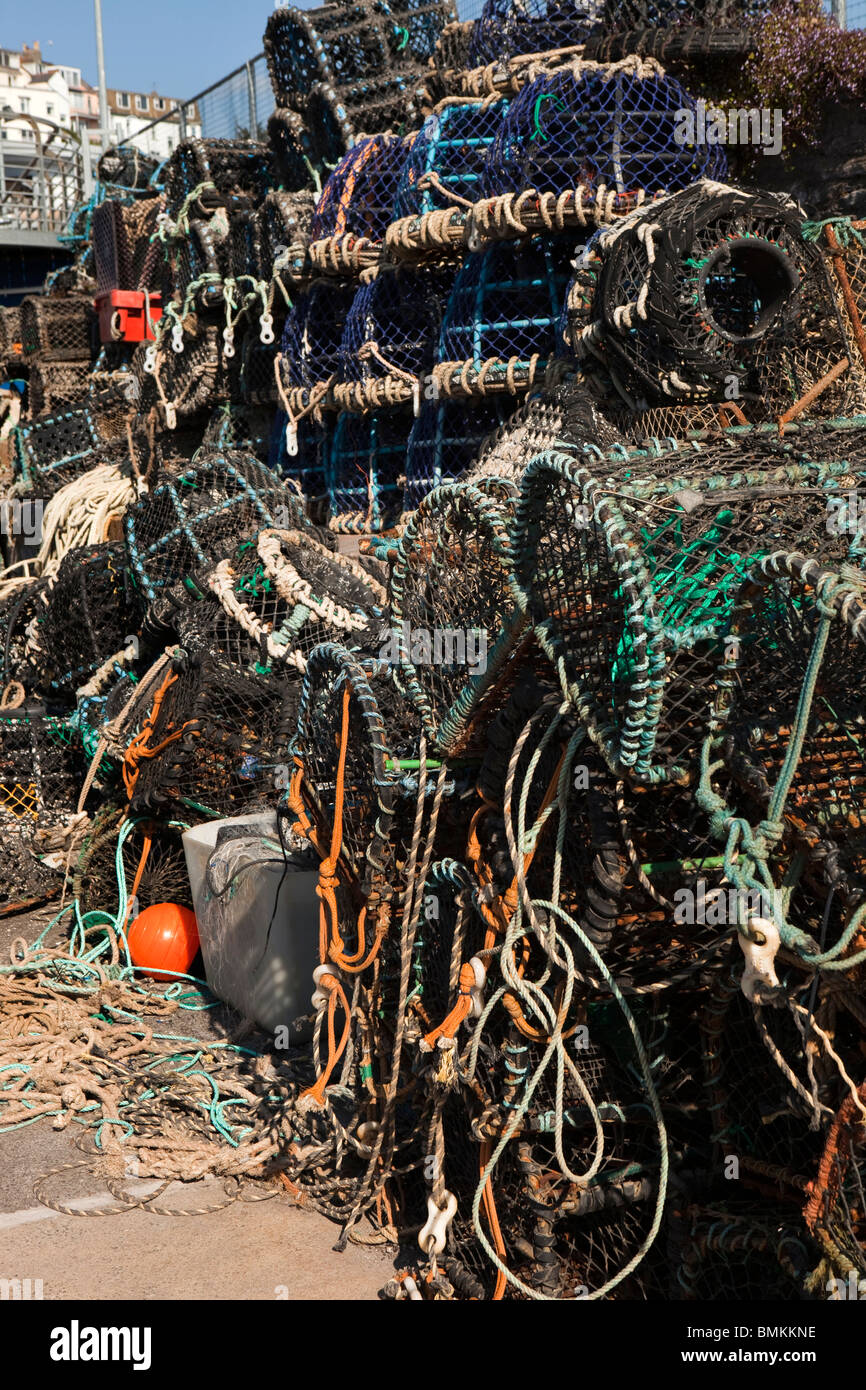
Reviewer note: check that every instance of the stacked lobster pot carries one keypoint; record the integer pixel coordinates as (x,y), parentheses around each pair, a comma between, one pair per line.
(471,474)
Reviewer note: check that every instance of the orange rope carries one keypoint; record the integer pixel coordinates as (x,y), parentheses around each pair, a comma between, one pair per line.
(489,1203)
(138,749)
(148,843)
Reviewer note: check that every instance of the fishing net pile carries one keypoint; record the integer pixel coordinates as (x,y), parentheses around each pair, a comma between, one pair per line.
(470,471)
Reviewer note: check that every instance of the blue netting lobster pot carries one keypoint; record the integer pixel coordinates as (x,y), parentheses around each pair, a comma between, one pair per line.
(366,470)
(506,302)
(590,125)
(445,441)
(393,327)
(359,196)
(310,346)
(446,158)
(300,456)
(508,27)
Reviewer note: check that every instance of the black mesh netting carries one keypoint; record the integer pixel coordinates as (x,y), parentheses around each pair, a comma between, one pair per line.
(58,330)
(505,28)
(214,740)
(366,470)
(92,613)
(733,304)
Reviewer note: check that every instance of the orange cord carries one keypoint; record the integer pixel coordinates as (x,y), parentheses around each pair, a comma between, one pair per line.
(138,749)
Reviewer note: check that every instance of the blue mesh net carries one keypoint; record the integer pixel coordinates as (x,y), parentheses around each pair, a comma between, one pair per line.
(394,324)
(310,345)
(674,14)
(308,466)
(599,126)
(507,301)
(446,158)
(445,440)
(508,27)
(366,467)
(359,196)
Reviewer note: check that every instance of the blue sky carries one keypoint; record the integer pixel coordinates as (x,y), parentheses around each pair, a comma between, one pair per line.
(177,47)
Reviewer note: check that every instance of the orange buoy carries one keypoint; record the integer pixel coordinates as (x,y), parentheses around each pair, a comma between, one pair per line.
(163,937)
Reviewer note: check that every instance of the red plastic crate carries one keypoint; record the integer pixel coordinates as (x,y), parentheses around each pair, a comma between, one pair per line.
(123,317)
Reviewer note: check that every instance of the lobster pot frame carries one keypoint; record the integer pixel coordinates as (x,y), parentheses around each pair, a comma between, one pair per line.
(235,168)
(742,1251)
(832,1213)
(245,258)
(10,333)
(307,468)
(340,720)
(630,584)
(454,622)
(190,521)
(734,293)
(358,198)
(20,658)
(126,167)
(366,470)
(445,161)
(774,1142)
(310,346)
(57,448)
(213,741)
(390,337)
(53,385)
(789,699)
(41,768)
(91,613)
(248,428)
(60,330)
(297,148)
(283,593)
(505,28)
(626,855)
(563,413)
(152,857)
(445,441)
(284,220)
(193,380)
(252,372)
(125,256)
(499,330)
(198,261)
(347,44)
(25,879)
(599,128)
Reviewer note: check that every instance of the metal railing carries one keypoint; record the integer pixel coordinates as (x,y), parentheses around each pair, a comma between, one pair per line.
(236,107)
(41,179)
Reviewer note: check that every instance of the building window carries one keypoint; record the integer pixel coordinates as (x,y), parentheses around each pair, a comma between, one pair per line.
(49,110)
(123,99)
(25,104)
(159,103)
(141,103)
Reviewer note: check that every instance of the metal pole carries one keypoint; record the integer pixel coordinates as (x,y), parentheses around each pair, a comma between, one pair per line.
(839,11)
(251,93)
(100,63)
(181,117)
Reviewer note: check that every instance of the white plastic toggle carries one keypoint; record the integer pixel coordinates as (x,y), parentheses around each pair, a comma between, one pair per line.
(431,1236)
(170,417)
(291,439)
(760,971)
(412,1289)
(476,994)
(177,338)
(321,996)
(416,399)
(228,342)
(266,327)
(473,241)
(150,359)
